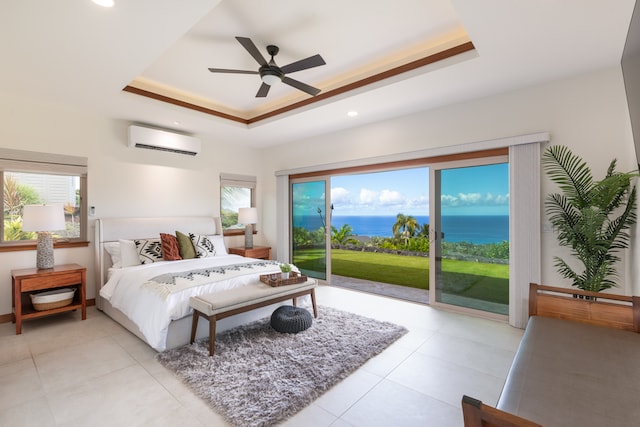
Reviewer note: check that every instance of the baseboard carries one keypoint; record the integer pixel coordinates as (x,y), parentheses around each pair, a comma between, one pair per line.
(5,318)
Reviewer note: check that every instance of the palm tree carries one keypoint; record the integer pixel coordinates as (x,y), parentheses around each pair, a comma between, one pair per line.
(584,216)
(16,195)
(405,225)
(342,236)
(423,230)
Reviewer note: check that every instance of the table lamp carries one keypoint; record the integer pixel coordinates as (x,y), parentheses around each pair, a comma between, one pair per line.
(248,217)
(43,219)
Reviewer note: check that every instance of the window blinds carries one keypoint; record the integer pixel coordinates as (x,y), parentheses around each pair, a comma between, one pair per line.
(234,180)
(30,161)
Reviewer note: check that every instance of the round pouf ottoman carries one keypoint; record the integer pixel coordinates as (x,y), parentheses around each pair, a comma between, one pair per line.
(290,319)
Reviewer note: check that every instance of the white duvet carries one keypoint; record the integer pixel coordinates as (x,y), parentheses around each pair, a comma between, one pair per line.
(152,312)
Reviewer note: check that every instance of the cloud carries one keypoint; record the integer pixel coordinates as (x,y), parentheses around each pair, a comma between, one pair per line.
(420,204)
(372,201)
(367,197)
(474,199)
(340,195)
(376,201)
(391,198)
(498,200)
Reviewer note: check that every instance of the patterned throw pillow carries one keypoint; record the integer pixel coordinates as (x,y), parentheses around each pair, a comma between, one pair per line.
(187,250)
(203,246)
(170,248)
(149,251)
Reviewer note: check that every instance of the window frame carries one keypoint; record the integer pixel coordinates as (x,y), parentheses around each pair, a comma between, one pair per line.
(19,161)
(239,181)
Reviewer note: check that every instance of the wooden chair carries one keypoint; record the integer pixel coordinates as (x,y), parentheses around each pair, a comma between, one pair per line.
(477,414)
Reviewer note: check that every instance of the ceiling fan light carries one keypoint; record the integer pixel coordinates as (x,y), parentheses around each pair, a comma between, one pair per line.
(270,78)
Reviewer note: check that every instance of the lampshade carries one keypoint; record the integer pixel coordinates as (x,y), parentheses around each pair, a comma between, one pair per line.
(43,218)
(247,215)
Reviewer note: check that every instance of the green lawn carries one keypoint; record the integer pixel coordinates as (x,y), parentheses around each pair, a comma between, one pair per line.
(488,282)
(409,271)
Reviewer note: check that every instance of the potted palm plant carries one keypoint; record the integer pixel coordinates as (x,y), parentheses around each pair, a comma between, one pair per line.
(591,217)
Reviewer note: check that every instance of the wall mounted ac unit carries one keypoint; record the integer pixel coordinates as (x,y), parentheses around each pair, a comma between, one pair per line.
(156,139)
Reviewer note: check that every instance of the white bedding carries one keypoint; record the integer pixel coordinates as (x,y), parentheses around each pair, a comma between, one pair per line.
(151,311)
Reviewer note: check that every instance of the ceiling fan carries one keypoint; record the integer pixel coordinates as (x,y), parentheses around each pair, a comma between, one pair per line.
(270,73)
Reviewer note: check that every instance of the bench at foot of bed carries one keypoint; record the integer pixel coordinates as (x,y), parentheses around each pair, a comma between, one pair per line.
(218,305)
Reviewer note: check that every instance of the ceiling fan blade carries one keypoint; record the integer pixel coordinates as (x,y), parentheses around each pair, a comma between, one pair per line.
(252,49)
(224,70)
(263,91)
(302,86)
(303,64)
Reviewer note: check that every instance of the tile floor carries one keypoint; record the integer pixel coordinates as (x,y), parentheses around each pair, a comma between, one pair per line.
(66,372)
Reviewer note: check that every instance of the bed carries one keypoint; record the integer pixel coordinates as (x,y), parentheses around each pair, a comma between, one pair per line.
(149,295)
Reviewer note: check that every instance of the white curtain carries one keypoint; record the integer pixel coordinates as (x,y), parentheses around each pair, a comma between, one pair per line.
(524,228)
(282,218)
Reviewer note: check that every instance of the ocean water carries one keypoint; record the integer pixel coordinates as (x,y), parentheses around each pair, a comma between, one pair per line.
(473,229)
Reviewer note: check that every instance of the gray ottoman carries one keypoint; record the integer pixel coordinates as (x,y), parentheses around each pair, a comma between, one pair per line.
(290,319)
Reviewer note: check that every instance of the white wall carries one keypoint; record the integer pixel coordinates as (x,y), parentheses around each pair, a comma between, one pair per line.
(588,113)
(122,181)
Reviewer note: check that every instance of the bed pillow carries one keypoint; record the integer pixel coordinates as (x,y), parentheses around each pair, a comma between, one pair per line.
(170,248)
(113,249)
(149,250)
(218,243)
(128,253)
(203,246)
(187,251)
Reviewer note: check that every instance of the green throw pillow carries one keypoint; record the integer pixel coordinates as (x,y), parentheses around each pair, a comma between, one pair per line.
(187,251)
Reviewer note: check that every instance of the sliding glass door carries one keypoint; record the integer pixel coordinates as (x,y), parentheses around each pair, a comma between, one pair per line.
(468,226)
(309,226)
(469,235)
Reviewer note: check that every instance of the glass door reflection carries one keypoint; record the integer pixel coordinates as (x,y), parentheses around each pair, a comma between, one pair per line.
(310,222)
(470,237)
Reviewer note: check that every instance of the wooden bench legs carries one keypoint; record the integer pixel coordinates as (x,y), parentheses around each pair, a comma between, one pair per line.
(222,314)
(313,303)
(212,329)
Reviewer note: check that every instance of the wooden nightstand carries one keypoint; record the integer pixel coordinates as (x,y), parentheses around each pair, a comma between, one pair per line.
(260,252)
(24,282)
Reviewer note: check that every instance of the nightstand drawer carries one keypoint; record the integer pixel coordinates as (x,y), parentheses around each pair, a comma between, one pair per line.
(260,252)
(53,281)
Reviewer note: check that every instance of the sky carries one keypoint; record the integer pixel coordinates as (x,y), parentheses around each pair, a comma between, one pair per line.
(478,190)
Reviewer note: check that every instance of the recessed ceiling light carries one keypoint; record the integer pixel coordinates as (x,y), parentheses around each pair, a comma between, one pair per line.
(352,113)
(104,3)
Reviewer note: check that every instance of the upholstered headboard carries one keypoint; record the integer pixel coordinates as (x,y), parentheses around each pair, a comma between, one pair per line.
(114,229)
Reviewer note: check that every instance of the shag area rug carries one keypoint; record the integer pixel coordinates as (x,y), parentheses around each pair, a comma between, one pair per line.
(260,377)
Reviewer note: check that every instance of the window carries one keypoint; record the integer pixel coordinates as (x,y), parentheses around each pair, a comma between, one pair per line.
(236,191)
(40,178)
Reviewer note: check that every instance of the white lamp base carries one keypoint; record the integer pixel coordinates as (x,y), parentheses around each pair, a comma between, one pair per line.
(248,236)
(44,256)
